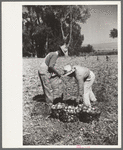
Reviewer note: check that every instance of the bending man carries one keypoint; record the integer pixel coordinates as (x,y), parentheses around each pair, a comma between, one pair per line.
(85,79)
(49,76)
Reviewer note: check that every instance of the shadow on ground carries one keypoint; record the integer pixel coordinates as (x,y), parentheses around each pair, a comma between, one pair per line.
(39,98)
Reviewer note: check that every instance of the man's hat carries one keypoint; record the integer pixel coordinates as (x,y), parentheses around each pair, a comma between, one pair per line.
(68,70)
(64,49)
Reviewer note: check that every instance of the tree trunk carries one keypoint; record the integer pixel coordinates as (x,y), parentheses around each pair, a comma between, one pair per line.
(46,46)
(70,27)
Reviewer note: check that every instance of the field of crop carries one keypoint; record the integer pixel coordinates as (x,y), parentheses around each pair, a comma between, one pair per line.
(40,130)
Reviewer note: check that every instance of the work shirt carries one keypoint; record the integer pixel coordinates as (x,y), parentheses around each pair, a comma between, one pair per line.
(51,58)
(82,74)
(49,61)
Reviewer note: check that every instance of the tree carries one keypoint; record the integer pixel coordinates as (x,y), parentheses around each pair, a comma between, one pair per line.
(69,17)
(87,49)
(113,33)
(47,27)
(28,24)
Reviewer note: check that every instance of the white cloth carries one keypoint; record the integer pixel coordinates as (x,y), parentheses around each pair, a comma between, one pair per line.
(88,93)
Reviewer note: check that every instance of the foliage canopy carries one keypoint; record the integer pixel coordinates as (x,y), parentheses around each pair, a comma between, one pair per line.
(114,33)
(46,27)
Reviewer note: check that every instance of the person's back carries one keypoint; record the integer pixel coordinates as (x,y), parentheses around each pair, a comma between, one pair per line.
(53,56)
(81,73)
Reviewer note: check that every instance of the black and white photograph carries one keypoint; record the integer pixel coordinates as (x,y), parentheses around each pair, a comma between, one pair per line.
(70,77)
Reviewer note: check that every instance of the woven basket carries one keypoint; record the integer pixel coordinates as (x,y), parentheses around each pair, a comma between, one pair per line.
(67,113)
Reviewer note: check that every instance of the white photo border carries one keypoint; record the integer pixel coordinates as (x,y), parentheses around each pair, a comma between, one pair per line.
(12,72)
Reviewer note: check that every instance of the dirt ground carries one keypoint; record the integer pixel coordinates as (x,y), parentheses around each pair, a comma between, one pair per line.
(40,130)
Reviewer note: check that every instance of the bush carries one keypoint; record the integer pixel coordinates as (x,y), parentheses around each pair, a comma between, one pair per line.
(87,49)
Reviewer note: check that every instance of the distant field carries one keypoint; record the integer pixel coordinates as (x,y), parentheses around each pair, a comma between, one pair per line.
(105,46)
(37,130)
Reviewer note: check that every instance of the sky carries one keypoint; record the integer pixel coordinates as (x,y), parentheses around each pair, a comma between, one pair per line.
(97,28)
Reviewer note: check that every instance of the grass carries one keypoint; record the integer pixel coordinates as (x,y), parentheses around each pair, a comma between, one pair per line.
(39,130)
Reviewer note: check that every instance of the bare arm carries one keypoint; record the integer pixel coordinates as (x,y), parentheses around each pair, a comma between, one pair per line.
(80,87)
(80,76)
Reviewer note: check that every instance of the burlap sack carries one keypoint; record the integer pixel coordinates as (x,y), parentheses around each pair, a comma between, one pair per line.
(57,86)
